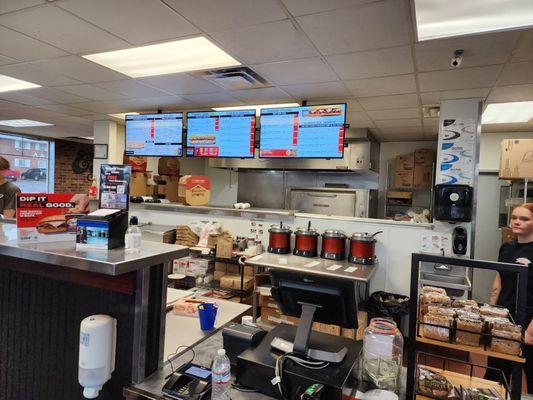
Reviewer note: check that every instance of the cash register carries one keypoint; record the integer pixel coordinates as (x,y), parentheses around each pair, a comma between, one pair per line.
(290,359)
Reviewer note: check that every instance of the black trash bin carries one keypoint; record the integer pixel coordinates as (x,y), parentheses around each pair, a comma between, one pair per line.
(387,305)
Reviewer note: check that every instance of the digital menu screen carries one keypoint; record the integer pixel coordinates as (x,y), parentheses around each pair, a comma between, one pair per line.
(154,135)
(303,132)
(221,134)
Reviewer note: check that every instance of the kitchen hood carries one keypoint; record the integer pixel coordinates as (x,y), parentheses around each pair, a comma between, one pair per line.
(361,153)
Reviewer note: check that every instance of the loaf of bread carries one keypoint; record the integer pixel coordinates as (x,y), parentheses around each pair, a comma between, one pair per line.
(432,384)
(467,313)
(493,311)
(505,341)
(480,394)
(440,310)
(432,289)
(439,328)
(468,331)
(465,304)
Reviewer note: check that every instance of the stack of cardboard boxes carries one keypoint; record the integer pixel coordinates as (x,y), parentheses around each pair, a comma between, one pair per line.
(516,160)
(414,171)
(168,179)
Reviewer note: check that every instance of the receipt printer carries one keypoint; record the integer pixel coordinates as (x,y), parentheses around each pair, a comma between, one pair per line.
(238,337)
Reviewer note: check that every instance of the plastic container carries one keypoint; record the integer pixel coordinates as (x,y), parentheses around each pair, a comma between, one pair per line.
(132,240)
(221,376)
(207,313)
(382,355)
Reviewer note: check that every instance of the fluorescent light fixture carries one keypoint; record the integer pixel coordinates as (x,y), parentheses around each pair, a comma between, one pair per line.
(438,19)
(8,84)
(257,108)
(505,113)
(165,58)
(23,123)
(87,137)
(122,115)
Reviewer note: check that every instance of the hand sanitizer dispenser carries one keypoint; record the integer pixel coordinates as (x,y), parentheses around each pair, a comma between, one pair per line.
(98,339)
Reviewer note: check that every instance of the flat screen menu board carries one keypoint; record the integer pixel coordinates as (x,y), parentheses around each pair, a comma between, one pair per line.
(221,134)
(154,135)
(303,132)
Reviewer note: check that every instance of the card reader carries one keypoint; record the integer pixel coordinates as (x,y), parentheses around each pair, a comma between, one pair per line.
(189,382)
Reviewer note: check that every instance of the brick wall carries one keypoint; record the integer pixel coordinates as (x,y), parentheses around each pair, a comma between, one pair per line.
(73,166)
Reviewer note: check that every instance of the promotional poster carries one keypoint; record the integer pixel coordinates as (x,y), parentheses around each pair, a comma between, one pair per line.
(115,186)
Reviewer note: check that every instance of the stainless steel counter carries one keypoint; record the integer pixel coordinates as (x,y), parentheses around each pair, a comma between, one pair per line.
(110,262)
(318,266)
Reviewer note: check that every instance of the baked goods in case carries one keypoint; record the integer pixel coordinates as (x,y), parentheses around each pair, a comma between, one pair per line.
(465,303)
(433,298)
(432,384)
(433,289)
(440,310)
(506,338)
(439,328)
(493,311)
(468,331)
(480,394)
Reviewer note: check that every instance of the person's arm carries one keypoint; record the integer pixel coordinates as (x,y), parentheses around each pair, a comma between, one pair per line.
(9,213)
(496,289)
(10,204)
(528,336)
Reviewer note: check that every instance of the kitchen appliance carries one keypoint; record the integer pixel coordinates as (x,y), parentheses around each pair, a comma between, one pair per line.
(333,245)
(363,248)
(360,203)
(459,240)
(453,203)
(238,337)
(279,239)
(306,242)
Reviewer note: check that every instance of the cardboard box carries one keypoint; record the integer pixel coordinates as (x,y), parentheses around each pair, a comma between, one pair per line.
(274,316)
(168,186)
(424,157)
(224,246)
(405,163)
(516,159)
(248,270)
(168,166)
(180,265)
(233,269)
(194,190)
(422,176)
(267,301)
(197,266)
(403,179)
(138,164)
(139,184)
(220,266)
(362,320)
(234,282)
(399,195)
(219,274)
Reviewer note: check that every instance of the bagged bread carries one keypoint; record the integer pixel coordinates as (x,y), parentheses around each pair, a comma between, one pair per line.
(468,331)
(439,328)
(432,384)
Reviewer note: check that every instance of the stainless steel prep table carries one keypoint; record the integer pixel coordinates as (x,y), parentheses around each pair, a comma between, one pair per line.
(48,288)
(360,274)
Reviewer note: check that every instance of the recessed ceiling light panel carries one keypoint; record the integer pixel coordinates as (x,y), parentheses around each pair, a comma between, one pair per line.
(505,113)
(8,84)
(23,123)
(165,58)
(438,19)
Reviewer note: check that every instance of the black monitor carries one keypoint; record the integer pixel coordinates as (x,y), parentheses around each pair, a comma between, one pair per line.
(313,298)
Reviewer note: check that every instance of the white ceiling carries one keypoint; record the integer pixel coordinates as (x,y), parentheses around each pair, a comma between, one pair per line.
(358,51)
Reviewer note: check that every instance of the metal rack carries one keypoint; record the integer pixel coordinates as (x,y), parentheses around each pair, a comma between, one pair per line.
(414,340)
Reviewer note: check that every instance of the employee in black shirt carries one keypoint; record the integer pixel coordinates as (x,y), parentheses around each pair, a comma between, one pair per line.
(8,191)
(519,251)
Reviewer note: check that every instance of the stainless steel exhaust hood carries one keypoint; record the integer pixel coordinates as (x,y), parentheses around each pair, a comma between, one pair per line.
(361,153)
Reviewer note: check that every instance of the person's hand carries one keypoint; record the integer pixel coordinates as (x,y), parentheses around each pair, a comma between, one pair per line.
(528,335)
(523,261)
(82,204)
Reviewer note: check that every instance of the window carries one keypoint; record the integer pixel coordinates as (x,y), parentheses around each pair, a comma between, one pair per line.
(42,163)
(27,145)
(17,144)
(22,163)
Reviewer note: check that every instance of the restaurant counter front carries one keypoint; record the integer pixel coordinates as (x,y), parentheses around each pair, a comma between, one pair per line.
(47,289)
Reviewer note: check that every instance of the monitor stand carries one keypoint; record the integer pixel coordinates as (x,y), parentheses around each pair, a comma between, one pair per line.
(301,340)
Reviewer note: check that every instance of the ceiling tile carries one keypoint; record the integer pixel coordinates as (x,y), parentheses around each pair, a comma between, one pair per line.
(61,29)
(524,50)
(436,97)
(180,84)
(374,63)
(394,114)
(131,88)
(389,102)
(228,14)
(399,123)
(351,104)
(504,94)
(64,109)
(515,74)
(90,92)
(259,96)
(14,5)
(275,41)
(303,7)
(213,100)
(357,118)
(34,74)
(317,90)
(21,97)
(24,48)
(479,50)
(7,60)
(459,78)
(54,95)
(414,130)
(116,106)
(382,86)
(80,69)
(374,25)
(310,70)
(137,21)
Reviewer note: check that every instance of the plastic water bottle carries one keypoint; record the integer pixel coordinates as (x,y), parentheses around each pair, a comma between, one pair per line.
(221,376)
(132,240)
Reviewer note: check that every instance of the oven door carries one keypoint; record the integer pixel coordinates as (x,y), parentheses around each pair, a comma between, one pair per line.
(327,202)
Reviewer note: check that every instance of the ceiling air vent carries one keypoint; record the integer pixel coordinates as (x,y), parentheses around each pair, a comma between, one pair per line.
(431,111)
(235,78)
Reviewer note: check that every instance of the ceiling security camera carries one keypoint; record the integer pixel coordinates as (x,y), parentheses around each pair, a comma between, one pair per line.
(457,58)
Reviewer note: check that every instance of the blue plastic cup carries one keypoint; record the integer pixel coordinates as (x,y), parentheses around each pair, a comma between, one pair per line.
(207,312)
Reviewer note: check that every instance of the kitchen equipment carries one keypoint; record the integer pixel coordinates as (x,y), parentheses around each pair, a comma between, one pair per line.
(453,203)
(306,242)
(363,248)
(333,245)
(279,239)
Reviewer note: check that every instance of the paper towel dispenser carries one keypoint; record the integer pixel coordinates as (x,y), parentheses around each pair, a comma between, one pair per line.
(453,203)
